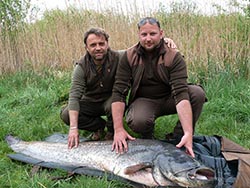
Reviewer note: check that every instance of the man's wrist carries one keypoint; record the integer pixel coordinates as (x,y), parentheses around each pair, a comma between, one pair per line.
(73,127)
(120,128)
(188,133)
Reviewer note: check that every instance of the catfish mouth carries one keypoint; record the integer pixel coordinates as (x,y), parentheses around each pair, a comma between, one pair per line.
(201,174)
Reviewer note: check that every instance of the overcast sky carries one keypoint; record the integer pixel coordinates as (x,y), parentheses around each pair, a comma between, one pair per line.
(204,6)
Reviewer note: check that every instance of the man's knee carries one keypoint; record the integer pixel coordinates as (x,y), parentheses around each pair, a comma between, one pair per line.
(197,94)
(140,124)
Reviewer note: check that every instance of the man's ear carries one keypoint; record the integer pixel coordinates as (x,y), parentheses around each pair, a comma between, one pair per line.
(86,48)
(162,33)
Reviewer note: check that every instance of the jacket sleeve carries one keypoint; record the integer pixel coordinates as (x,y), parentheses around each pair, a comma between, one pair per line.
(178,79)
(77,88)
(122,80)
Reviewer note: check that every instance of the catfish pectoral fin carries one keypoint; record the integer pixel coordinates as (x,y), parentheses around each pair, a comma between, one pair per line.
(135,168)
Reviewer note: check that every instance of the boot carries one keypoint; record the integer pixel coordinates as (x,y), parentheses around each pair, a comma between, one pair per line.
(95,136)
(109,136)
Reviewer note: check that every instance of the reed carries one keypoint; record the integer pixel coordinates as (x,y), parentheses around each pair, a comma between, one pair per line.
(209,43)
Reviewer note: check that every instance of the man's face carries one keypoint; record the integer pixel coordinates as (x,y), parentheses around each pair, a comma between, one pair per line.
(97,47)
(150,36)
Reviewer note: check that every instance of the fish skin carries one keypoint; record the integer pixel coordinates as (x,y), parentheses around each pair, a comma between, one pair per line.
(149,162)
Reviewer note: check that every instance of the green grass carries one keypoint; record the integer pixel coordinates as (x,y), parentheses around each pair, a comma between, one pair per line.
(30,105)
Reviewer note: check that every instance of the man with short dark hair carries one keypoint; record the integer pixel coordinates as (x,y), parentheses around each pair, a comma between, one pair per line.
(156,77)
(91,88)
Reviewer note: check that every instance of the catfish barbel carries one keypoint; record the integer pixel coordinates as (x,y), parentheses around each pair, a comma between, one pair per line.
(148,162)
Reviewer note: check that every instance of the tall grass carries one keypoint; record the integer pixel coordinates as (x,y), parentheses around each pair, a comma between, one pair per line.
(56,40)
(222,39)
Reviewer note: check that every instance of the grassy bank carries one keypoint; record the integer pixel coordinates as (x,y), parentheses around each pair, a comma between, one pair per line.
(30,105)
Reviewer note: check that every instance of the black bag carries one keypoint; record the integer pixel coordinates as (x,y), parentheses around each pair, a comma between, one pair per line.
(207,149)
(230,161)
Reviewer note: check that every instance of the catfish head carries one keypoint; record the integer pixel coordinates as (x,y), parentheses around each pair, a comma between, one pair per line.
(181,169)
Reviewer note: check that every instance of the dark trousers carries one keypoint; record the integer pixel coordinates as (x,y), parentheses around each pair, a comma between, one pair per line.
(143,112)
(90,116)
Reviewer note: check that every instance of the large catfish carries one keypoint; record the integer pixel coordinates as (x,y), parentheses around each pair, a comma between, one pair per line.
(148,162)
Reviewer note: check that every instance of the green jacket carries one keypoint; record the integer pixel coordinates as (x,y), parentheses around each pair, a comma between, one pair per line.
(88,85)
(170,69)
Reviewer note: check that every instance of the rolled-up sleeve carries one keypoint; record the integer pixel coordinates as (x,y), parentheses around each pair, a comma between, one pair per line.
(178,79)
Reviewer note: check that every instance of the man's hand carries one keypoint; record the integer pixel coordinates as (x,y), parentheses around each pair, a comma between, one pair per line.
(170,42)
(187,141)
(120,144)
(73,138)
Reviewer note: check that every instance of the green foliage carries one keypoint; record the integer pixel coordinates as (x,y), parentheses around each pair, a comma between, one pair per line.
(247,11)
(30,95)
(13,13)
(12,22)
(228,108)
